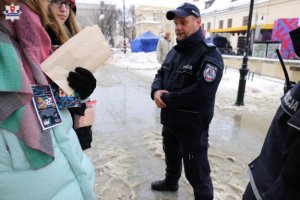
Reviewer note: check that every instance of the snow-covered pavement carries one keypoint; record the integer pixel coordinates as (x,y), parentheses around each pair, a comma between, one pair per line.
(127,151)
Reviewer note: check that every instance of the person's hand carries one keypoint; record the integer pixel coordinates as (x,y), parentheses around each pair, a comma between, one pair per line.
(291,168)
(158,101)
(82,81)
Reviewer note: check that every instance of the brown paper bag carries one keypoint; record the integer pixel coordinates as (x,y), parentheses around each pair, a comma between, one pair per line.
(88,49)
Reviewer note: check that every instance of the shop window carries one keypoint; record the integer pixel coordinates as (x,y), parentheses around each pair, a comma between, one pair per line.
(208,26)
(221,22)
(245,21)
(229,23)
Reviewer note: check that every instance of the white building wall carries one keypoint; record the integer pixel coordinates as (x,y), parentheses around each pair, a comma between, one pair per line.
(270,11)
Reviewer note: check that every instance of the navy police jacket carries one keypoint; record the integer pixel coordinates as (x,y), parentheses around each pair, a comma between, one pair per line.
(267,175)
(191,73)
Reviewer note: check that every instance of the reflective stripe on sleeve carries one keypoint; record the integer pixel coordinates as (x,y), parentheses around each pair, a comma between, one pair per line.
(253,186)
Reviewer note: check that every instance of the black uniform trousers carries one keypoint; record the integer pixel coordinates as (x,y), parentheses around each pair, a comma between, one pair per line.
(190,146)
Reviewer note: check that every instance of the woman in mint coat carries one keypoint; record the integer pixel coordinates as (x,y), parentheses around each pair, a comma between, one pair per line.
(35,164)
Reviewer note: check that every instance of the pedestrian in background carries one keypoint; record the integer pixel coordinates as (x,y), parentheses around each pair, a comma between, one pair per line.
(35,163)
(164,45)
(185,88)
(63,26)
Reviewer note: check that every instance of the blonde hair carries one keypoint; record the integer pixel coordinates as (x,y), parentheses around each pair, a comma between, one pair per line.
(72,24)
(40,7)
(63,32)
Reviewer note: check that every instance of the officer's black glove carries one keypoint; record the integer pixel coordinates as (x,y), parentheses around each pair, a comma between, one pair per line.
(291,167)
(82,81)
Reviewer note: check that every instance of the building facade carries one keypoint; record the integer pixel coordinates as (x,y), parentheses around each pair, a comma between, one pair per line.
(153,18)
(229,18)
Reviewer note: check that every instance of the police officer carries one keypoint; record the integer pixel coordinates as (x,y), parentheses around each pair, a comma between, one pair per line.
(184,88)
(275,173)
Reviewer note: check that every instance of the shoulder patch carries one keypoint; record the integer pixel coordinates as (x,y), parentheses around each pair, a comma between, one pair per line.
(209,45)
(290,102)
(210,72)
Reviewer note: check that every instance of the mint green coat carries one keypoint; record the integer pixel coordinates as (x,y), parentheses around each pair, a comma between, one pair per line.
(69,177)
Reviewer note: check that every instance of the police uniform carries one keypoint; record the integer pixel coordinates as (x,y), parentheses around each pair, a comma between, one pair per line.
(274,174)
(191,73)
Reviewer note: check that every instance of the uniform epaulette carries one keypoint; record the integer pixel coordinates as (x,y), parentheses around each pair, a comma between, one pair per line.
(209,45)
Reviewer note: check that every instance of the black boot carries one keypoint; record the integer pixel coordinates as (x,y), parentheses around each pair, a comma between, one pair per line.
(164,185)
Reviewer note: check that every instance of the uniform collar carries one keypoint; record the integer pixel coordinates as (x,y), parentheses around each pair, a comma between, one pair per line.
(190,42)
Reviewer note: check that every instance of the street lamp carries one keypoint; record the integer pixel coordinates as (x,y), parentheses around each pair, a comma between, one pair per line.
(244,70)
(101,16)
(124,27)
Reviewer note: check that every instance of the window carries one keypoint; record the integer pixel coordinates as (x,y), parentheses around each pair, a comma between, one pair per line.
(245,21)
(221,22)
(208,26)
(229,23)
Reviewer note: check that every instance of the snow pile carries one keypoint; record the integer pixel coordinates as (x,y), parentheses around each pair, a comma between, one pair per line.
(262,93)
(140,60)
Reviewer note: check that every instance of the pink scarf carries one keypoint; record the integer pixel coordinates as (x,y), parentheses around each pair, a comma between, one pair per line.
(17,113)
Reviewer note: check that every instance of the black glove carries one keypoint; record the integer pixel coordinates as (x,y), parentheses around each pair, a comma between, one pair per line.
(78,110)
(291,167)
(82,81)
